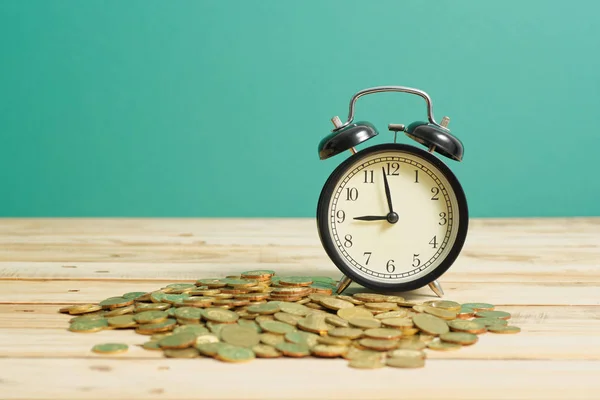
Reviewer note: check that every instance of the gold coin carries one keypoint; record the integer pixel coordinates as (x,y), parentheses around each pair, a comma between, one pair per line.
(334,341)
(462,338)
(239,283)
(440,313)
(206,338)
(157,296)
(178,341)
(84,309)
(211,283)
(287,318)
(491,321)
(443,346)
(189,352)
(371,297)
(383,333)
(174,298)
(332,303)
(378,344)
(188,313)
(444,304)
(349,333)
(295,281)
(302,301)
(291,291)
(316,297)
(405,362)
(366,363)
(115,312)
(293,349)
(409,331)
(151,317)
(351,299)
(364,323)
(406,353)
(265,351)
(479,306)
(465,313)
(504,329)
(261,318)
(240,336)
(264,309)
(411,345)
(115,302)
(314,323)
(337,321)
(461,325)
(133,295)
(122,321)
(384,306)
(205,292)
(235,354)
(215,327)
(249,324)
(197,330)
(322,288)
(211,349)
(305,338)
(199,301)
(398,322)
(315,306)
(354,353)
(392,314)
(151,345)
(164,326)
(88,326)
(139,307)
(328,351)
(157,336)
(253,296)
(181,286)
(261,274)
(355,312)
(430,324)
(271,339)
(219,315)
(492,314)
(87,317)
(293,308)
(276,327)
(110,348)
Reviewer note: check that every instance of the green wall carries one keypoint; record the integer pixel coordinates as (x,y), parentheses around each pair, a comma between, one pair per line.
(215,108)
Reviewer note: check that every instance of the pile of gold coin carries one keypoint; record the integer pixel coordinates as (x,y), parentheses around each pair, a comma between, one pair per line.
(259,314)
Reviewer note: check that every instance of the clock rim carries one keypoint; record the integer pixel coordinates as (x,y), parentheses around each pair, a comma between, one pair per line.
(329,245)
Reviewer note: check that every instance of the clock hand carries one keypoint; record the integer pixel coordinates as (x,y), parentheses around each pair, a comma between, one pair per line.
(387,191)
(372,218)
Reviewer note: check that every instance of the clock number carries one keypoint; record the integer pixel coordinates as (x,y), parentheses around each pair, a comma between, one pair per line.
(436,192)
(348,242)
(433,242)
(416,176)
(416,261)
(390,267)
(392,169)
(443,219)
(341,216)
(351,194)
(369,176)
(368,255)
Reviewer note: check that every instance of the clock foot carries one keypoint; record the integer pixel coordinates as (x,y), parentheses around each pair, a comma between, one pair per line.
(437,288)
(343,284)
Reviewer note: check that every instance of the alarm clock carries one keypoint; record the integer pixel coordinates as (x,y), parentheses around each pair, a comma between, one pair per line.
(392,217)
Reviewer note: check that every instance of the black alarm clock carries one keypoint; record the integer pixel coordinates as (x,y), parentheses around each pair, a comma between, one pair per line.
(392,217)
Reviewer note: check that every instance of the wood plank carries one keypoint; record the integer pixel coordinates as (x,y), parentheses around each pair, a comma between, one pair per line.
(193,379)
(466,269)
(507,293)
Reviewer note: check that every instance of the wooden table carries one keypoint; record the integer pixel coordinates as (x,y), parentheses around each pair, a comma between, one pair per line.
(546,272)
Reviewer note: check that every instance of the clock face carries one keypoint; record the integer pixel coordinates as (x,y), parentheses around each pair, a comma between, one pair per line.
(397,246)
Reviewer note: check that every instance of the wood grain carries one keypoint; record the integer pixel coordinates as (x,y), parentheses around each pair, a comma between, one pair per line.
(543,271)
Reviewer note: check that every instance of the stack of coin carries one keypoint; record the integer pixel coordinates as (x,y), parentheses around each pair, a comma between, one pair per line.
(261,315)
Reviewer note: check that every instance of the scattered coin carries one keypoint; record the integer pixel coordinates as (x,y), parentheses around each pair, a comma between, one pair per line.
(181,353)
(492,314)
(461,325)
(265,351)
(443,346)
(504,329)
(479,306)
(461,338)
(366,363)
(430,324)
(405,362)
(293,349)
(110,348)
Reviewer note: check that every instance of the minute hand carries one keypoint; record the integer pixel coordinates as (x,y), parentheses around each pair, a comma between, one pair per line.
(371,218)
(387,191)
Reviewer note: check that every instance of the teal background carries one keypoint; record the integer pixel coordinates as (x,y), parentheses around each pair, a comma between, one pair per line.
(215,108)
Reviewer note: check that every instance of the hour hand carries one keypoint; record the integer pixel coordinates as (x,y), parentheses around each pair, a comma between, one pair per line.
(372,218)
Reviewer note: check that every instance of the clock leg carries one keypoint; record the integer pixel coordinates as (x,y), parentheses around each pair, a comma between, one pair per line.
(343,284)
(437,288)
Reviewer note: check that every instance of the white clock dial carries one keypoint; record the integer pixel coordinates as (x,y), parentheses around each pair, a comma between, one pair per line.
(426,207)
